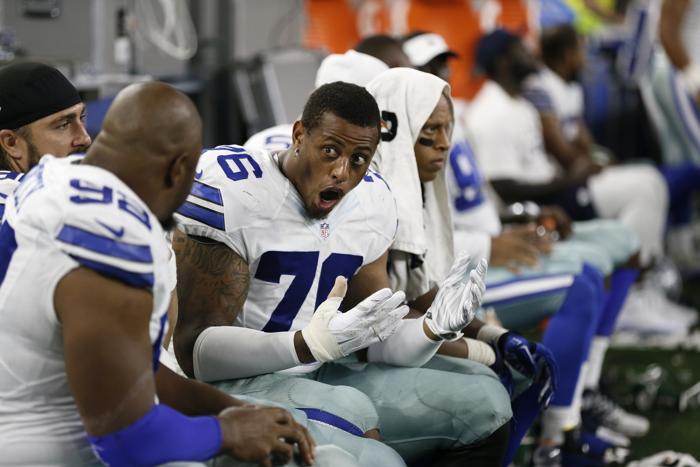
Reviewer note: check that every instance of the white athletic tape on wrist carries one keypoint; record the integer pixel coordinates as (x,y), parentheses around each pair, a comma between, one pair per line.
(490,333)
(480,352)
(691,78)
(318,337)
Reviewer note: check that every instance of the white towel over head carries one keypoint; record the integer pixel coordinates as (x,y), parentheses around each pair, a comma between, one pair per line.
(406,99)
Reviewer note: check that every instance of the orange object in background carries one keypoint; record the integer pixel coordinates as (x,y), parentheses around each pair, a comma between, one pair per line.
(337,25)
(516,17)
(373,17)
(460,26)
(331,25)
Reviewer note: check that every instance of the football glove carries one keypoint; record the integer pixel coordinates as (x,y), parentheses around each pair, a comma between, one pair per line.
(457,299)
(531,359)
(331,334)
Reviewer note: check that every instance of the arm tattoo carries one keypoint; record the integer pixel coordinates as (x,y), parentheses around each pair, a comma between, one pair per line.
(212,286)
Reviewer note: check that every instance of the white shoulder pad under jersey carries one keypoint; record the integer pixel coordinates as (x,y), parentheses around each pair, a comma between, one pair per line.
(276,138)
(8,182)
(229,194)
(242,199)
(61,217)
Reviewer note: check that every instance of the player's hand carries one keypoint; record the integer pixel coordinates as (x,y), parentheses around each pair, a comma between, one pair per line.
(264,435)
(556,216)
(514,251)
(533,360)
(331,334)
(457,299)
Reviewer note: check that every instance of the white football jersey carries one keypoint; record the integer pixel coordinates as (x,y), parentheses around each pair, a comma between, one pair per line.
(241,198)
(506,135)
(63,216)
(276,138)
(549,93)
(8,182)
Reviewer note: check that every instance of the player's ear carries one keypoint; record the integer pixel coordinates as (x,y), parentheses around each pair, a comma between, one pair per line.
(11,144)
(298,133)
(177,171)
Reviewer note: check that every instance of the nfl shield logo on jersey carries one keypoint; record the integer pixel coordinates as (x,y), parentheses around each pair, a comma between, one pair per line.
(325,229)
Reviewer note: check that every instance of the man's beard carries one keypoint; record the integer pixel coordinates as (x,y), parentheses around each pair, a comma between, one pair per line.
(522,71)
(574,77)
(34,156)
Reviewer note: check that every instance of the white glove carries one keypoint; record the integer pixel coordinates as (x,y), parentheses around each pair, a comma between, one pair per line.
(457,299)
(331,334)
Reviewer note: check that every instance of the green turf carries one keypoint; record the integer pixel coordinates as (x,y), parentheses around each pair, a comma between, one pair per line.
(669,428)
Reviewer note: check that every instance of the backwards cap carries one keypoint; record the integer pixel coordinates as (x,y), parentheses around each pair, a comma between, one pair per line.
(492,46)
(31,91)
(422,48)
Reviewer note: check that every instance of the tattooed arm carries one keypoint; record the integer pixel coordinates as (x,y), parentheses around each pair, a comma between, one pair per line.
(212,286)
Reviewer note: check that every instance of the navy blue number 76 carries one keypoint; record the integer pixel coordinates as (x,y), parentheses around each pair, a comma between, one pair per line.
(301,264)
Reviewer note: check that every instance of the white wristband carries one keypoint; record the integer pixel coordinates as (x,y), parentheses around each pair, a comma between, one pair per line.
(490,333)
(690,76)
(409,346)
(480,352)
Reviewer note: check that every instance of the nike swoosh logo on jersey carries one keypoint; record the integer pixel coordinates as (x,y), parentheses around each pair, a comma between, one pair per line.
(117,232)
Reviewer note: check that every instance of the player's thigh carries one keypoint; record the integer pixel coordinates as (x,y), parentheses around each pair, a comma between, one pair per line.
(616,239)
(523,299)
(575,249)
(619,191)
(422,409)
(324,429)
(299,415)
(344,406)
(326,456)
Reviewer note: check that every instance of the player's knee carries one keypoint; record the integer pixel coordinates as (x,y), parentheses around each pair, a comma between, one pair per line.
(471,407)
(600,260)
(492,410)
(651,185)
(333,456)
(367,452)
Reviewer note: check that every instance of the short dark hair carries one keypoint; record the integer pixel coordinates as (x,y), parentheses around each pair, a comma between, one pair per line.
(556,41)
(378,46)
(348,101)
